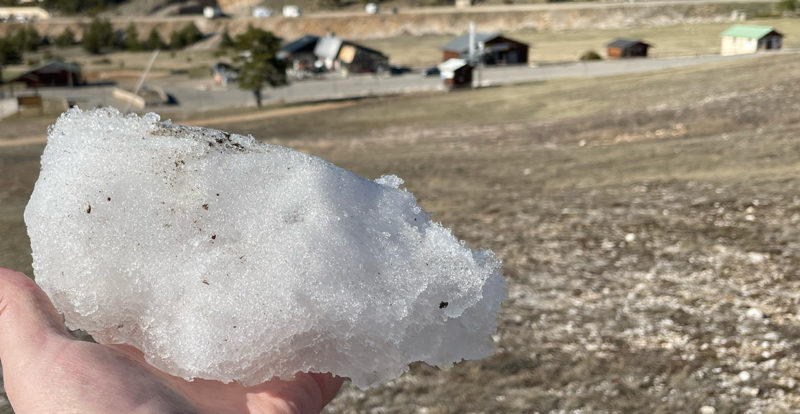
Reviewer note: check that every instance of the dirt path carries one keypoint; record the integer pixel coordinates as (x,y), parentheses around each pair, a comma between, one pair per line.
(253,116)
(23,141)
(275,113)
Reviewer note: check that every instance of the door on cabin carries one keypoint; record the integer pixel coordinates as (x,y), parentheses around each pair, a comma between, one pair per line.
(512,57)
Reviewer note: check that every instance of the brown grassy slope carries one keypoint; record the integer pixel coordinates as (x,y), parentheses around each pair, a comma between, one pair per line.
(611,104)
(640,218)
(634,259)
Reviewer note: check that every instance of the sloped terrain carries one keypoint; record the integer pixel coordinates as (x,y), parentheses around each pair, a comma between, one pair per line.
(648,226)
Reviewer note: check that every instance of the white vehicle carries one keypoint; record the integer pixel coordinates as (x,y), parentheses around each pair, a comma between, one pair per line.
(291,11)
(212,12)
(262,12)
(371,8)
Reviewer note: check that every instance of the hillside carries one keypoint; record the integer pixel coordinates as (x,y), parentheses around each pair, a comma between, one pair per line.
(648,226)
(449,21)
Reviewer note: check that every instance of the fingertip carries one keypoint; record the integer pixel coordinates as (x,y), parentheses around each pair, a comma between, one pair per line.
(15,280)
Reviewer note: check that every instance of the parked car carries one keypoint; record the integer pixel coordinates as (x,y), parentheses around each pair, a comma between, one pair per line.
(371,8)
(262,12)
(212,12)
(431,71)
(399,70)
(291,11)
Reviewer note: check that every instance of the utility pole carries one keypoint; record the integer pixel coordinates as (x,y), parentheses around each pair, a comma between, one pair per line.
(481,47)
(144,75)
(471,49)
(471,59)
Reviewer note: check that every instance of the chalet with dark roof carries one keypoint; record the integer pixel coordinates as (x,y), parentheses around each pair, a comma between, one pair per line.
(52,73)
(340,54)
(497,49)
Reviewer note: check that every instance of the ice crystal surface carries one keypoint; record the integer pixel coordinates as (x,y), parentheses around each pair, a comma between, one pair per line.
(224,258)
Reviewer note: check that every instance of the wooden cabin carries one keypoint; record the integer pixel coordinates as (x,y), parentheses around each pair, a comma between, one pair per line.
(52,73)
(497,49)
(627,48)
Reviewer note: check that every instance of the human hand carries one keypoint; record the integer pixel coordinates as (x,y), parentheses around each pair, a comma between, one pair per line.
(46,370)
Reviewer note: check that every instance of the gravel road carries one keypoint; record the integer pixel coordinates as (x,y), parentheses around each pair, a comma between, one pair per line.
(195,95)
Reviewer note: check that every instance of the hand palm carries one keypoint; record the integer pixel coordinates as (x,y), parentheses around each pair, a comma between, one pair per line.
(47,370)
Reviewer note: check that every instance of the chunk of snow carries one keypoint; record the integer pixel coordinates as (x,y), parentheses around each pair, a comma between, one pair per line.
(224,258)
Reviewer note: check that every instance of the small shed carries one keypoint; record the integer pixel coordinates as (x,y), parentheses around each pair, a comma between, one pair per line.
(300,53)
(457,73)
(627,48)
(497,49)
(743,39)
(52,73)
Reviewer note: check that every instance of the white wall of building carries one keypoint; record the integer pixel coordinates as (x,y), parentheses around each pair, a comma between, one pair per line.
(738,45)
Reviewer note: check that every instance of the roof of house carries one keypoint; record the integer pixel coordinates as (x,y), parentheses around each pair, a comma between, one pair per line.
(449,66)
(461,43)
(750,31)
(363,48)
(307,41)
(328,47)
(53,66)
(626,43)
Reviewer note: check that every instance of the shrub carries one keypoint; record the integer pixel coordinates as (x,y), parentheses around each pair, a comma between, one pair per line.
(590,55)
(788,5)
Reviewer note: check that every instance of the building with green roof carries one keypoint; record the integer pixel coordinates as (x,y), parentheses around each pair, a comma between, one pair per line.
(742,39)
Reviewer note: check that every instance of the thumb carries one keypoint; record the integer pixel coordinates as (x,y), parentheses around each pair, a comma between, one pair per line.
(28,319)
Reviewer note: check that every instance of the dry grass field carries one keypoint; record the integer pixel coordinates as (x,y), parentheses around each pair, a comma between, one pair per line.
(567,46)
(649,227)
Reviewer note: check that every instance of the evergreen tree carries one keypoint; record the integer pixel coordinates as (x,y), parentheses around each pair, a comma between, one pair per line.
(66,38)
(191,34)
(154,41)
(187,36)
(9,52)
(131,39)
(225,40)
(176,41)
(257,61)
(27,39)
(98,35)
